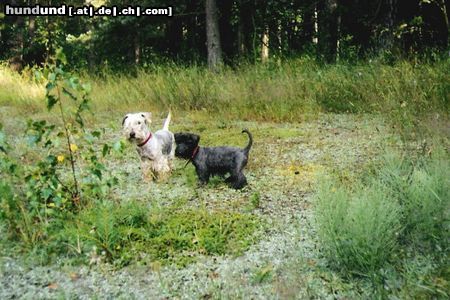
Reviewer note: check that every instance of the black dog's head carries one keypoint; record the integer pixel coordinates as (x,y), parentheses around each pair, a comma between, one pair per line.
(186,144)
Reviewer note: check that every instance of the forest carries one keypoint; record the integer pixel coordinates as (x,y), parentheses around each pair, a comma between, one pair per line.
(228,32)
(342,189)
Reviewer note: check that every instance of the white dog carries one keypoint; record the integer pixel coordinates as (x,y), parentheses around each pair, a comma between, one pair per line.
(155,149)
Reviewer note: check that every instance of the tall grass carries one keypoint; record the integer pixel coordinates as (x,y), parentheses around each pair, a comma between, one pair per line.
(423,191)
(19,91)
(358,228)
(397,217)
(275,91)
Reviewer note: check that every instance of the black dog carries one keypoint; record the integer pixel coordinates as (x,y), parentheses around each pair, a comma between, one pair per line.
(209,161)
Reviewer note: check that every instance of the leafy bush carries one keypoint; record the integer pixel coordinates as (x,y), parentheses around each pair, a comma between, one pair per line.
(38,193)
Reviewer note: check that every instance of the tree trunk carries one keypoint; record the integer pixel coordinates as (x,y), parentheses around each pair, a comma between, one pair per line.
(137,48)
(386,39)
(16,62)
(195,30)
(265,45)
(174,36)
(328,30)
(315,36)
(308,22)
(213,36)
(226,29)
(443,8)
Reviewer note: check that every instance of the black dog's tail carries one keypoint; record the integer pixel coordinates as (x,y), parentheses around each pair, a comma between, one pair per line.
(250,140)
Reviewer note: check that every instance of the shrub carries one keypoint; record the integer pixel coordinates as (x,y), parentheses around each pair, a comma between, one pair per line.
(38,193)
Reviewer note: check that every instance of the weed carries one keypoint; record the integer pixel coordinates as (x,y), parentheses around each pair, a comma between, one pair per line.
(255,199)
(263,274)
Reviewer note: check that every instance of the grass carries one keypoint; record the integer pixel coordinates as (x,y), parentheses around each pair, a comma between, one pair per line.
(382,227)
(134,233)
(358,228)
(396,219)
(285,91)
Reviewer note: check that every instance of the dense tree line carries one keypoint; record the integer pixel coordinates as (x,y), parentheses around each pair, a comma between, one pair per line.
(226,31)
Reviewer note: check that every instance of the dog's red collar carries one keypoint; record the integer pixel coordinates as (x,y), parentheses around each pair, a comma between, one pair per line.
(146,140)
(194,153)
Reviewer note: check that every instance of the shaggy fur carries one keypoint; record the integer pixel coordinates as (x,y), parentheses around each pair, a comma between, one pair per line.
(209,161)
(156,150)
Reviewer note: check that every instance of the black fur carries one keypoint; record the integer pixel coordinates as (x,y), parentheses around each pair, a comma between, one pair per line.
(210,161)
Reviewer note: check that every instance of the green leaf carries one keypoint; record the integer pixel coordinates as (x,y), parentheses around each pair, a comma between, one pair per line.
(97,173)
(61,56)
(86,87)
(51,77)
(118,146)
(50,86)
(106,149)
(37,75)
(79,119)
(51,101)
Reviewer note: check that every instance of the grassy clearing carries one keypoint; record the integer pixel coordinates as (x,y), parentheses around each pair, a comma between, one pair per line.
(286,91)
(383,225)
(390,225)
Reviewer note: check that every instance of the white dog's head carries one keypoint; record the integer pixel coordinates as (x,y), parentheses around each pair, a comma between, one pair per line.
(136,126)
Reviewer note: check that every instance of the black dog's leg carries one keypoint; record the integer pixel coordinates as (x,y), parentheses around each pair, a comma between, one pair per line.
(239,182)
(237,178)
(203,175)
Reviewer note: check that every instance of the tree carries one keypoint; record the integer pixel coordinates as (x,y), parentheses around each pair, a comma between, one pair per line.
(386,39)
(213,36)
(328,30)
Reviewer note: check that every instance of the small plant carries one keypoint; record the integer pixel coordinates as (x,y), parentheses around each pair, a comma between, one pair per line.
(45,189)
(264,274)
(255,199)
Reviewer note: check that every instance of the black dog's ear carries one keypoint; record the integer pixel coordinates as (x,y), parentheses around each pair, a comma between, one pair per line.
(196,139)
(124,118)
(178,137)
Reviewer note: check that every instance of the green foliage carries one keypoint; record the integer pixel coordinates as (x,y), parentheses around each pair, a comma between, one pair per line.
(358,228)
(38,193)
(392,226)
(423,190)
(134,233)
(255,200)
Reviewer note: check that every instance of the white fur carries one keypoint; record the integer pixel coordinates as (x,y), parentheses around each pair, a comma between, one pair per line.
(156,165)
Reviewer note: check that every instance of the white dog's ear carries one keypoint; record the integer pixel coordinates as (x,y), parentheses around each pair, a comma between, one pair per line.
(147,116)
(124,118)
